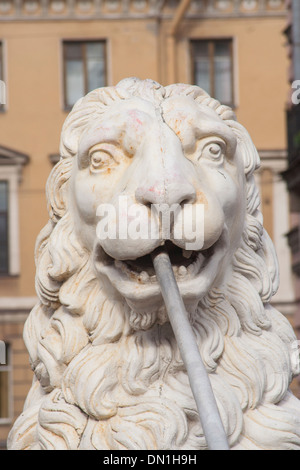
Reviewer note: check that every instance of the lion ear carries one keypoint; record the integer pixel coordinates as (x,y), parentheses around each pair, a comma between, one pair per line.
(57,187)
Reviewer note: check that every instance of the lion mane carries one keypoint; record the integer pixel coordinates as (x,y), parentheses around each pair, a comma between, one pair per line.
(85,395)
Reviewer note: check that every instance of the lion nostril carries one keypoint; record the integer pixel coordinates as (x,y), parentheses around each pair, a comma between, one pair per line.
(149,195)
(188,198)
(184,195)
(186,201)
(173,191)
(147,204)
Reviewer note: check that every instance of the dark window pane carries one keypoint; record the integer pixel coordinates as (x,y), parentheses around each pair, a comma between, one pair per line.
(4,393)
(2,86)
(202,65)
(223,75)
(74,70)
(95,65)
(212,61)
(85,69)
(202,75)
(74,81)
(3,196)
(3,226)
(5,372)
(95,50)
(73,51)
(1,63)
(3,244)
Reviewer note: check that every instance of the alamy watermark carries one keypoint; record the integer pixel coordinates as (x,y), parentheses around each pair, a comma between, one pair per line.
(159,221)
(2,92)
(296,93)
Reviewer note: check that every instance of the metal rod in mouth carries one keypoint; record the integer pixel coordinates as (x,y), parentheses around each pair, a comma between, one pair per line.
(213,429)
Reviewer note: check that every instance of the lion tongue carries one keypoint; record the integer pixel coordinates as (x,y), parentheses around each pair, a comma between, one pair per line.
(187,253)
(179,258)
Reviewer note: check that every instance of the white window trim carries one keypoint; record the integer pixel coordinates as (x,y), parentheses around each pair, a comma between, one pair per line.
(11,164)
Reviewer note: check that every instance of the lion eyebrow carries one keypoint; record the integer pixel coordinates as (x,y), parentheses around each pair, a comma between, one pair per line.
(101,135)
(220,130)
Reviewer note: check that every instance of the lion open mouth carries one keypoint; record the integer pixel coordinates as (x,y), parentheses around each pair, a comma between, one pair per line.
(186,264)
(135,279)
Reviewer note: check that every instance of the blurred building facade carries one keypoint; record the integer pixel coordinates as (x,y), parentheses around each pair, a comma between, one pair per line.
(292,173)
(54,51)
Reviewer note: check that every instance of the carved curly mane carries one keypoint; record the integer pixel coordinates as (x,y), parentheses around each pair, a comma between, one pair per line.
(105,379)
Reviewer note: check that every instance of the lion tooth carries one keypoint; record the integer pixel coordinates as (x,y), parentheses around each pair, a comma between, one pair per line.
(199,261)
(182,271)
(144,276)
(121,266)
(187,253)
(201,258)
(191,269)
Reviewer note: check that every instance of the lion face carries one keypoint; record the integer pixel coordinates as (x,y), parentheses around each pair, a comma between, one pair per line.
(176,155)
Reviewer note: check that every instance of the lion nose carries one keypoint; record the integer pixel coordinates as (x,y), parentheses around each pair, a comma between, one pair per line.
(167,175)
(175,190)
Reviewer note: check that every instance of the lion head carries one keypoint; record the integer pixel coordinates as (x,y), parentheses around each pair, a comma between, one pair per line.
(108,373)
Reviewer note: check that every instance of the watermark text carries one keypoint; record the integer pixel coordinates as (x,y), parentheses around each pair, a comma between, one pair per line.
(132,221)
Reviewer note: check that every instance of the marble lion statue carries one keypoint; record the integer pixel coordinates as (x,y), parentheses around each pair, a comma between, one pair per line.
(108,374)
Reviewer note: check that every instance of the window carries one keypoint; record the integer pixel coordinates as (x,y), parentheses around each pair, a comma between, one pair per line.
(213,68)
(11,166)
(4,227)
(84,69)
(2,84)
(5,385)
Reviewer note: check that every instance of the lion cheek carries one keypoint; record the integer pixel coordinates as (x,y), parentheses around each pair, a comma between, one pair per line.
(213,223)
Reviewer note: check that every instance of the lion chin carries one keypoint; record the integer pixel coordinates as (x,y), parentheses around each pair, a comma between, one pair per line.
(107,370)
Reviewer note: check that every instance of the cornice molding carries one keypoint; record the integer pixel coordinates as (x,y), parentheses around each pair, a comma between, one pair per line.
(12,157)
(66,10)
(54,158)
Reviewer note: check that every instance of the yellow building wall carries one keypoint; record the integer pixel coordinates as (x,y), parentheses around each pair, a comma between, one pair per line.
(21,376)
(34,76)
(260,72)
(34,116)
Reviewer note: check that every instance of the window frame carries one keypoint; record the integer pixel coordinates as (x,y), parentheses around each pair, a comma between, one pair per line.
(211,48)
(11,167)
(8,174)
(8,367)
(82,42)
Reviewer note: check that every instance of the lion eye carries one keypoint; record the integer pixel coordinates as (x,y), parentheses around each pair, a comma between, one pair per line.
(100,159)
(213,151)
